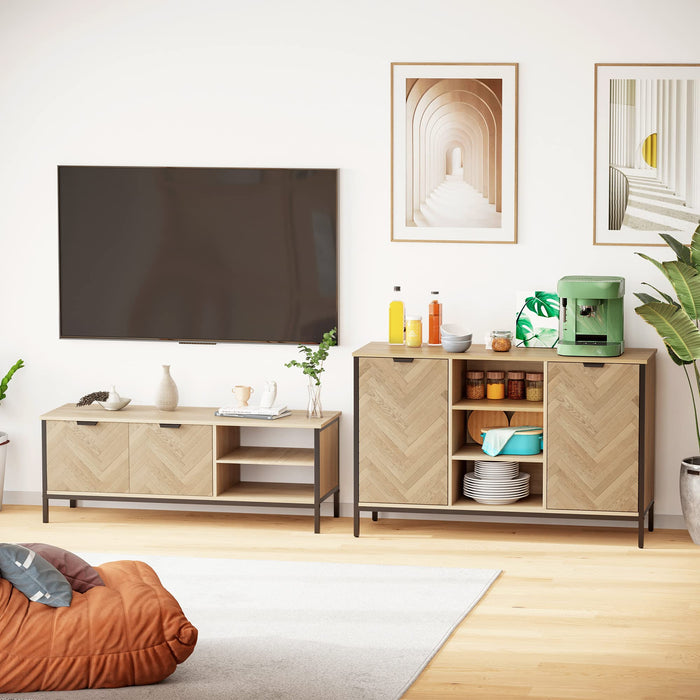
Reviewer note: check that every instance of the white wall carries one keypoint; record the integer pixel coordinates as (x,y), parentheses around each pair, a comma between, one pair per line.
(304,84)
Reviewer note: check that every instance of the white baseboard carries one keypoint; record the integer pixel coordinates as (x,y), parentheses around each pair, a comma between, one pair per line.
(662,521)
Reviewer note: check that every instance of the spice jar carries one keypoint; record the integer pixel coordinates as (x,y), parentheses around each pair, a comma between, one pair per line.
(414,331)
(495,385)
(501,341)
(516,385)
(534,386)
(475,384)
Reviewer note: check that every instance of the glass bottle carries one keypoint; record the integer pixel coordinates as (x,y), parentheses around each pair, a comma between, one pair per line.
(475,385)
(397,318)
(414,331)
(434,319)
(516,385)
(495,385)
(534,386)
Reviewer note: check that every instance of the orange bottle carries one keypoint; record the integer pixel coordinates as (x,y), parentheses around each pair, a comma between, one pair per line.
(434,320)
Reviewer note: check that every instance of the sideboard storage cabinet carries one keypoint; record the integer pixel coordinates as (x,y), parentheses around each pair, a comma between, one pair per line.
(415,428)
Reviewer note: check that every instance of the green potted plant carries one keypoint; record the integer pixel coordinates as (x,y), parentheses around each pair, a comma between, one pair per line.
(676,321)
(312,367)
(4,440)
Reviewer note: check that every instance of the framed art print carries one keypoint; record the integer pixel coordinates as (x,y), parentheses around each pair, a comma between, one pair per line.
(454,152)
(647,152)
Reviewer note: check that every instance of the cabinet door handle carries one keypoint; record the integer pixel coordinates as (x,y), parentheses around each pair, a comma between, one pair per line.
(169,425)
(594,364)
(402,359)
(87,422)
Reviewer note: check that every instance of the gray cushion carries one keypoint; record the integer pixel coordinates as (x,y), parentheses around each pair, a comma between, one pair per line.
(30,573)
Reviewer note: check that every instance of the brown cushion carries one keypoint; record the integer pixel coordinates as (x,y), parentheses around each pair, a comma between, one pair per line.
(81,576)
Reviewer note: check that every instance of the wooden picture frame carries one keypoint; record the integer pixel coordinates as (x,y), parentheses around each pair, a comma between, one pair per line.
(647,152)
(454,137)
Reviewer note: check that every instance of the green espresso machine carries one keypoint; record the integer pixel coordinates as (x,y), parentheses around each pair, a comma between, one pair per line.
(591,321)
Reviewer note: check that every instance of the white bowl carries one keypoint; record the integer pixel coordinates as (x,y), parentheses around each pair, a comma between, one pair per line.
(114,405)
(452,330)
(455,345)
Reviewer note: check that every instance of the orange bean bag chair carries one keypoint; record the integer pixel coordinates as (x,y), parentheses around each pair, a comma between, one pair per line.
(130,631)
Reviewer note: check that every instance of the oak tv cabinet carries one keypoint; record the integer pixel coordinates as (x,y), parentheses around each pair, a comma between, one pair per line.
(413,445)
(188,455)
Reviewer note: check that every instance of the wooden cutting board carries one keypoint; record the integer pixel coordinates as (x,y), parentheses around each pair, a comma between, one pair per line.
(478,420)
(527,418)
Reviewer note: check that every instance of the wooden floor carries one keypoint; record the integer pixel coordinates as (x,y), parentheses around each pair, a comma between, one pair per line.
(577,612)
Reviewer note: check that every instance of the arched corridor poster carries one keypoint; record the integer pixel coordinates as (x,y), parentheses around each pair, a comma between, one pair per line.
(647,153)
(454,152)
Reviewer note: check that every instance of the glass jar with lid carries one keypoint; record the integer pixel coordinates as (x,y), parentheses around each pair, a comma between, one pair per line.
(534,386)
(476,388)
(516,385)
(501,341)
(495,384)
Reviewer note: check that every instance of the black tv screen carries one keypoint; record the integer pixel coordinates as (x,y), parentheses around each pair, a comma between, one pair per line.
(197,254)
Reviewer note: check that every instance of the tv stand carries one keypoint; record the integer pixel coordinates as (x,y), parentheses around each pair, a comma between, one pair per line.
(185,456)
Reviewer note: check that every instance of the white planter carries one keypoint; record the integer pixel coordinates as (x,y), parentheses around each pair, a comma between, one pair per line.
(690,495)
(4,440)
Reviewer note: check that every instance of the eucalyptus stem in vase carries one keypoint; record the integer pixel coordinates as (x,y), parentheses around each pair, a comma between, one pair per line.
(312,367)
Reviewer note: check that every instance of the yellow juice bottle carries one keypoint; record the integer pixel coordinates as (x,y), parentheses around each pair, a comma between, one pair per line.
(396,319)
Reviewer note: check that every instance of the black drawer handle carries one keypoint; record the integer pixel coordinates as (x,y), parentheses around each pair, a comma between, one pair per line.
(169,425)
(402,359)
(594,364)
(87,422)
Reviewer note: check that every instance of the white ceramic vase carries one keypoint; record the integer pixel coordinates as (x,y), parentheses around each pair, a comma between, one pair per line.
(167,396)
(690,495)
(4,440)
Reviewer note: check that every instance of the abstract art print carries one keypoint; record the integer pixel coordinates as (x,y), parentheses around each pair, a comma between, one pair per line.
(647,152)
(454,152)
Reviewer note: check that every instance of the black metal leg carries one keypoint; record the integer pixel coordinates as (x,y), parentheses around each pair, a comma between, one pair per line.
(375,516)
(356,521)
(73,503)
(640,531)
(317,518)
(336,504)
(651,517)
(45,509)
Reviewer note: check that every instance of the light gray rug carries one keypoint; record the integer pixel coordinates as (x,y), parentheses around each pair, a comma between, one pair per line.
(303,631)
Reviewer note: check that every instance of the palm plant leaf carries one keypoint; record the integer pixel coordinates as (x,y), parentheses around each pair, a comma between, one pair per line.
(675,327)
(646,298)
(665,296)
(682,251)
(686,283)
(695,248)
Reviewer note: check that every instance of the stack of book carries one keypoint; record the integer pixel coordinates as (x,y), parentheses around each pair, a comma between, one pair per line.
(254,412)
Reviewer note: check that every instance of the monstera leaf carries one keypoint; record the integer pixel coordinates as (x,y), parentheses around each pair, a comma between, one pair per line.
(523,328)
(545,304)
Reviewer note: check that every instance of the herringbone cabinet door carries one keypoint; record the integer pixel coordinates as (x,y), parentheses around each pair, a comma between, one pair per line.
(592,436)
(91,458)
(403,431)
(171,461)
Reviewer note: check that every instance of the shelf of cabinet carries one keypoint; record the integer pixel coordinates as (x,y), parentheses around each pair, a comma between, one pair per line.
(529,504)
(281,456)
(498,405)
(263,492)
(472,452)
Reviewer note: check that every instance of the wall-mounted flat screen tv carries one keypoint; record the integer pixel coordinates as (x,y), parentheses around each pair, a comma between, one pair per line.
(197,254)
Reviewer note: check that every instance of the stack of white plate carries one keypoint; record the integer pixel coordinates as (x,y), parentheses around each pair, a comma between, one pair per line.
(486,469)
(496,483)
